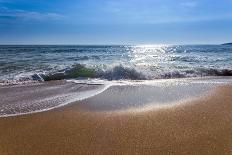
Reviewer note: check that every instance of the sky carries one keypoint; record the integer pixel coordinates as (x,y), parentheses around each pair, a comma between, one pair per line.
(115,21)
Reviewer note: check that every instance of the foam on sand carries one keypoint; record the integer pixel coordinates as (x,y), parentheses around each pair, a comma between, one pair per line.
(19,100)
(100,95)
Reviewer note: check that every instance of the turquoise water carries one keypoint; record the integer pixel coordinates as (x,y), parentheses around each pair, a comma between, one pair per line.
(114,62)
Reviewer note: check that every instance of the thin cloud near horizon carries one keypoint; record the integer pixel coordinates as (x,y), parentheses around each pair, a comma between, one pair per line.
(116,21)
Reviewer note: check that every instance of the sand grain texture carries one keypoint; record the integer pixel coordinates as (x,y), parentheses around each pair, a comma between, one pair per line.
(200,127)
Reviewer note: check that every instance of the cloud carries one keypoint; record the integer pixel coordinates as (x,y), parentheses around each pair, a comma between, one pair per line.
(165,11)
(28,15)
(189,4)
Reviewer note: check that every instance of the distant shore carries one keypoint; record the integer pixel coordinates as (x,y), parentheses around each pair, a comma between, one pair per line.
(201,126)
(227,44)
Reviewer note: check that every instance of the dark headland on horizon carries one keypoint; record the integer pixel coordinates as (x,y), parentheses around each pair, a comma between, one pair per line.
(230,43)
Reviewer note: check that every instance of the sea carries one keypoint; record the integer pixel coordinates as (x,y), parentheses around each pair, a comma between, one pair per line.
(108,78)
(118,62)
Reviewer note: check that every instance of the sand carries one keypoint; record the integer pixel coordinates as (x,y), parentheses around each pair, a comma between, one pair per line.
(34,97)
(201,126)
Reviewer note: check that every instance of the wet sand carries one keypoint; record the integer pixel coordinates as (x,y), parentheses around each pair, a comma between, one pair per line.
(36,97)
(202,126)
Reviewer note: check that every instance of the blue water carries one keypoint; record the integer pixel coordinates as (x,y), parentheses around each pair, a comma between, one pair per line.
(114,62)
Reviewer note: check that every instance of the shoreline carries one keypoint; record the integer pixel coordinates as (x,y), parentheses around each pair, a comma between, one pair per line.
(201,126)
(30,98)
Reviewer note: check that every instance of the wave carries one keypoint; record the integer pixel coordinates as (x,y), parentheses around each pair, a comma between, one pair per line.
(198,72)
(79,70)
(121,72)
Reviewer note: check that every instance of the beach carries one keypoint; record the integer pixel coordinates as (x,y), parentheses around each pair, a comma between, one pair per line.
(115,77)
(200,125)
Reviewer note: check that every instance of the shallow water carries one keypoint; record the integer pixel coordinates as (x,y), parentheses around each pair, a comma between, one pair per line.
(156,93)
(25,99)
(100,95)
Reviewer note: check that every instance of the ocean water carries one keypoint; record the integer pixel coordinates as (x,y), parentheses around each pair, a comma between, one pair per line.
(108,77)
(145,62)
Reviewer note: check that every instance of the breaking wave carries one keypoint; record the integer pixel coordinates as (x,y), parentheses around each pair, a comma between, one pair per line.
(79,71)
(121,72)
(22,64)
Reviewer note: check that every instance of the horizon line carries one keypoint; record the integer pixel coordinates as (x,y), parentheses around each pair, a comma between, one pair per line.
(111,44)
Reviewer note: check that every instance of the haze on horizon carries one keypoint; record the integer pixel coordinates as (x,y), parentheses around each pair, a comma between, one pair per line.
(115,21)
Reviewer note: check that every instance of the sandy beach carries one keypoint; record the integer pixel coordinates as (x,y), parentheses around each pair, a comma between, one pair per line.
(201,126)
(115,77)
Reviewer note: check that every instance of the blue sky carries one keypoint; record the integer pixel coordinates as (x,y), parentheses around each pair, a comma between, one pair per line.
(115,21)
